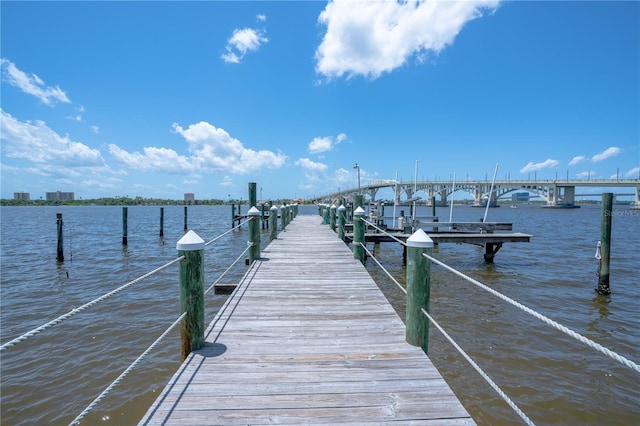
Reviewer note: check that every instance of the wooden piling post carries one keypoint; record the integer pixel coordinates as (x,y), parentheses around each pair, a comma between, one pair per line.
(263,216)
(253,196)
(359,201)
(124,226)
(273,222)
(162,221)
(418,289)
(60,248)
(605,244)
(332,217)
(283,217)
(254,234)
(358,234)
(191,246)
(342,221)
(325,215)
(233,215)
(185,219)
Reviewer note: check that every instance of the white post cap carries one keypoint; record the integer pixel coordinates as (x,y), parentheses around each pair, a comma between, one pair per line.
(253,212)
(419,239)
(342,207)
(190,242)
(333,206)
(359,212)
(274,208)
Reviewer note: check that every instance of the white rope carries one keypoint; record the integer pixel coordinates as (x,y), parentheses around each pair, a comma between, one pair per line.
(125,372)
(543,318)
(229,268)
(383,268)
(484,375)
(225,233)
(385,232)
(72,312)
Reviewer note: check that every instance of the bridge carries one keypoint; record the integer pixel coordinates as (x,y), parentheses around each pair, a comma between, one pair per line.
(556,193)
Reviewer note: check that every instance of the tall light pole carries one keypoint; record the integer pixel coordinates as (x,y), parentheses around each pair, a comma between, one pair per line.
(358,167)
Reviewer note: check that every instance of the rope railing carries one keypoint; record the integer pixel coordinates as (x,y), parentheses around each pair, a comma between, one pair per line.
(113,384)
(109,388)
(227,232)
(74,311)
(484,375)
(542,318)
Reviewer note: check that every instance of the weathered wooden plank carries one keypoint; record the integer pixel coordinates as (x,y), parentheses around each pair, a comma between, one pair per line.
(307,337)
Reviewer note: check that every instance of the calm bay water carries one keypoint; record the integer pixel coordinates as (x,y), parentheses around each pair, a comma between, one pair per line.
(52,377)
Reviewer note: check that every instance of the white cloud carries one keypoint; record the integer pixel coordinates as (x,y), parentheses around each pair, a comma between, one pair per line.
(585,175)
(313,170)
(227,182)
(633,173)
(261,18)
(38,143)
(326,143)
(32,84)
(241,42)
(213,148)
(152,158)
(534,167)
(369,38)
(577,160)
(607,153)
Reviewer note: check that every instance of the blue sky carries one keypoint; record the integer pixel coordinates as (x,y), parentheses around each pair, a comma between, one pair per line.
(156,99)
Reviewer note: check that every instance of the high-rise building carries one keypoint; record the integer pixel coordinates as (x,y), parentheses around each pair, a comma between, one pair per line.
(21,196)
(189,197)
(60,196)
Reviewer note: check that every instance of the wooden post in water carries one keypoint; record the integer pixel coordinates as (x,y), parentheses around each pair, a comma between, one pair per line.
(253,197)
(605,244)
(273,222)
(185,219)
(162,221)
(283,218)
(342,220)
(359,201)
(191,246)
(124,226)
(418,289)
(332,217)
(233,215)
(263,216)
(325,215)
(254,234)
(358,234)
(60,249)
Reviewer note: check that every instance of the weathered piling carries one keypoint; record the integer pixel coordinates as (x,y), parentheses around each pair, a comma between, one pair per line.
(418,277)
(263,216)
(60,248)
(233,215)
(185,219)
(605,244)
(325,215)
(273,222)
(342,221)
(162,221)
(254,234)
(358,201)
(191,246)
(283,217)
(358,234)
(124,226)
(253,197)
(332,217)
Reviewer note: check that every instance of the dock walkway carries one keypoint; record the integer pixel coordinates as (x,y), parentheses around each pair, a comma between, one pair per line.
(307,338)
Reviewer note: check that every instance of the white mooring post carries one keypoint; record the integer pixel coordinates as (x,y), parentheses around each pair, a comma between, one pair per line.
(273,222)
(191,246)
(418,288)
(358,234)
(254,234)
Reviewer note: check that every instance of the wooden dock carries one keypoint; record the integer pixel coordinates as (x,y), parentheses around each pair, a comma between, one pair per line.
(307,338)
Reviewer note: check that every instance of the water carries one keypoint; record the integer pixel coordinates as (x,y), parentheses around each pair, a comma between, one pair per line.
(52,377)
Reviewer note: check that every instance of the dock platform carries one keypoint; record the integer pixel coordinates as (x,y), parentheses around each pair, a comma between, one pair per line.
(307,338)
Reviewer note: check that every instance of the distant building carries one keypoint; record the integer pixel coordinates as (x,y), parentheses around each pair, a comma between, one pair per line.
(21,196)
(522,197)
(189,197)
(60,196)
